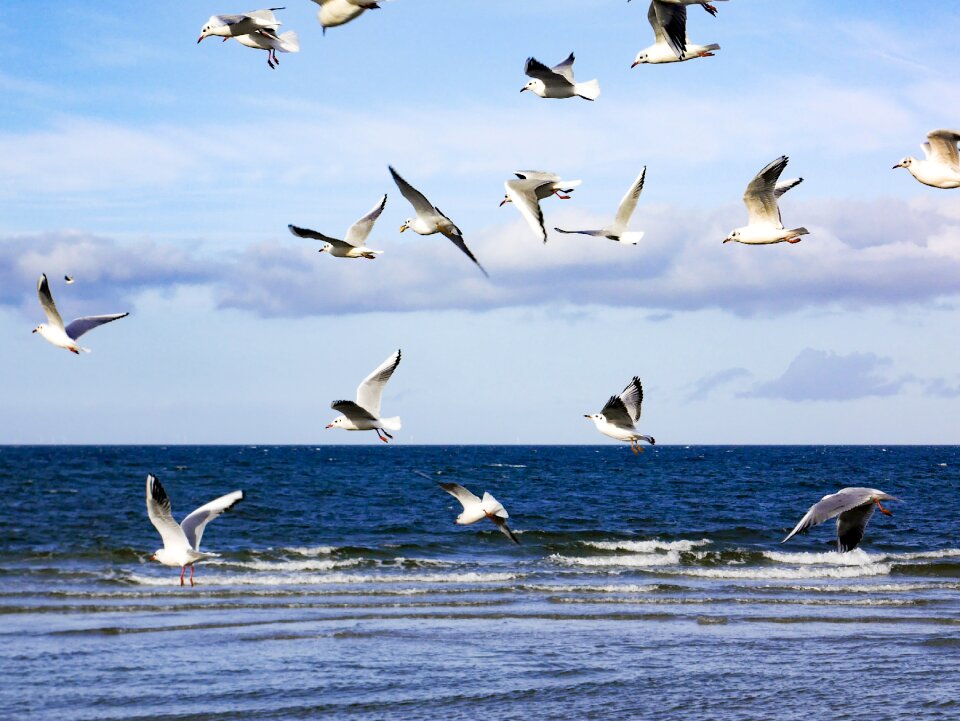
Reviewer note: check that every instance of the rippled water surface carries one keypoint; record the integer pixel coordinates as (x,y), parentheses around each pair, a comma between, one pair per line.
(651,587)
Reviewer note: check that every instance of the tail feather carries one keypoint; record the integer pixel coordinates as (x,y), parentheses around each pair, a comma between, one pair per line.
(290,42)
(711,46)
(631,237)
(391,424)
(799,231)
(589,90)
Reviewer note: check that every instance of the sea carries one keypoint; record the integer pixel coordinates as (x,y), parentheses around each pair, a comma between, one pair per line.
(644,587)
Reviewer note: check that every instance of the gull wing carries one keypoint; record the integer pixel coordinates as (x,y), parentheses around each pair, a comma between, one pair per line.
(371,388)
(315,235)
(629,203)
(782,187)
(460,493)
(194,524)
(536,175)
(158,509)
(672,21)
(597,233)
(457,239)
(632,398)
(615,411)
(851,526)
(359,231)
(417,199)
(82,325)
(46,302)
(535,69)
(830,506)
(353,411)
(565,68)
(523,193)
(501,523)
(943,147)
(759,197)
(265,18)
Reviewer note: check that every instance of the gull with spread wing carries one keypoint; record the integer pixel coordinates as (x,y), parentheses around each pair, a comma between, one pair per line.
(230,26)
(763,192)
(618,229)
(618,418)
(181,544)
(353,246)
(941,169)
(476,509)
(671,45)
(53,331)
(558,81)
(364,414)
(340,12)
(529,189)
(852,508)
(430,219)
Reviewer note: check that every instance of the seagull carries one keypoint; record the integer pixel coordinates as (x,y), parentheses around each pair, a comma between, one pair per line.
(618,229)
(430,219)
(230,26)
(531,187)
(702,3)
(53,330)
(669,23)
(619,417)
(364,415)
(941,169)
(353,245)
(339,12)
(476,509)
(852,507)
(288,42)
(766,225)
(181,544)
(68,280)
(558,82)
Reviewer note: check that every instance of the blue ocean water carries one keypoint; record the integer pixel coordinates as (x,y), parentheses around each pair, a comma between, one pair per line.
(651,587)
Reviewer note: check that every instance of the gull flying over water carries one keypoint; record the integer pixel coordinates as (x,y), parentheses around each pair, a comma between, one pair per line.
(618,229)
(476,509)
(364,414)
(671,45)
(353,246)
(230,26)
(558,81)
(53,331)
(529,189)
(618,418)
(763,192)
(430,219)
(287,42)
(181,544)
(941,169)
(852,508)
(339,12)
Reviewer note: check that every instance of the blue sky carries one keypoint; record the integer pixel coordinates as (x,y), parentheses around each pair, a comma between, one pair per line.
(162,175)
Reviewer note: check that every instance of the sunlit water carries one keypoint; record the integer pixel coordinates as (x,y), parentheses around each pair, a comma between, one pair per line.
(651,587)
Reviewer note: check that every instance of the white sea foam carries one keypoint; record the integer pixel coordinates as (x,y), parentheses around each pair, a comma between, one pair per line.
(305,579)
(308,550)
(870,588)
(856,557)
(293,566)
(643,560)
(647,546)
(873,569)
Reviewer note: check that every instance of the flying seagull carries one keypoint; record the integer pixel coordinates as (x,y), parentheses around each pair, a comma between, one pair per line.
(230,26)
(53,331)
(852,507)
(353,246)
(558,82)
(618,229)
(941,169)
(340,12)
(430,219)
(476,509)
(181,544)
(287,42)
(364,414)
(529,189)
(619,417)
(669,23)
(763,192)
(68,280)
(702,3)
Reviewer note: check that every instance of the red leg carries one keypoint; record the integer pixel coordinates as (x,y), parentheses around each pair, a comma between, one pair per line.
(182,569)
(191,574)
(883,510)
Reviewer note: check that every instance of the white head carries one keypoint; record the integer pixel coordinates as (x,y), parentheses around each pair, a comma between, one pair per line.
(905,163)
(162,555)
(734,236)
(325,249)
(535,86)
(506,199)
(40,328)
(337,422)
(406,224)
(595,417)
(641,59)
(208,29)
